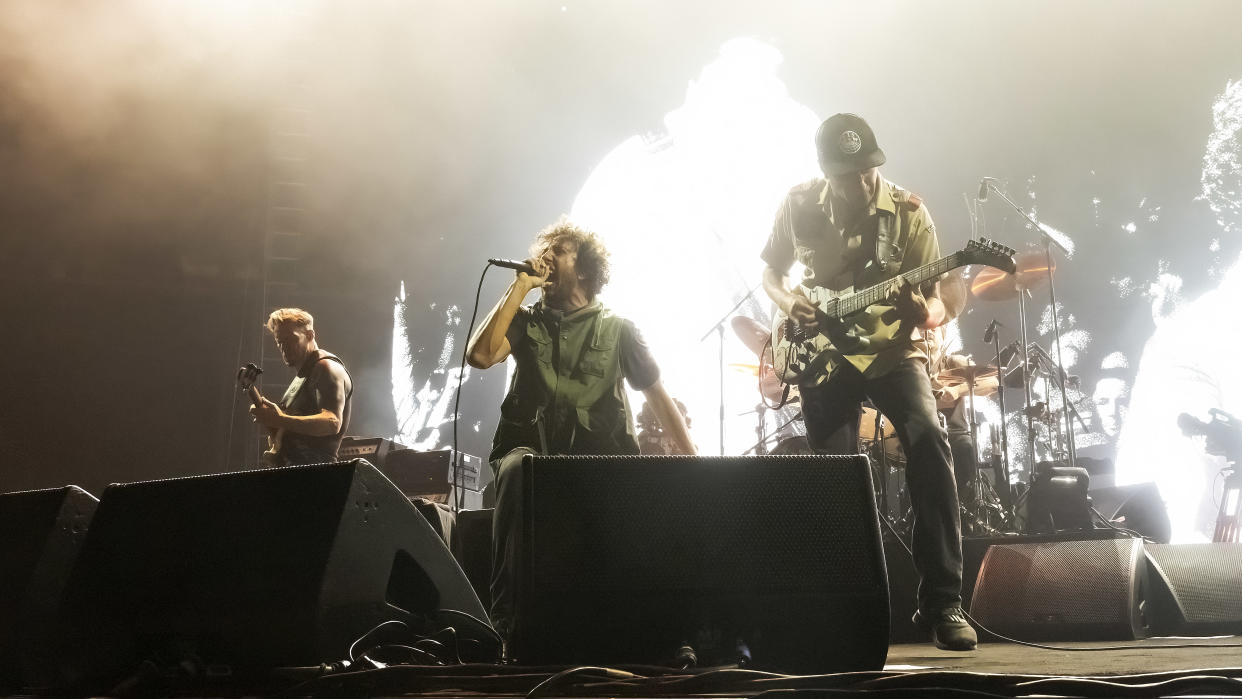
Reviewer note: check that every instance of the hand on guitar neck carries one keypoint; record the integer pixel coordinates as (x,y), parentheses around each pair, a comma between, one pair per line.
(264,412)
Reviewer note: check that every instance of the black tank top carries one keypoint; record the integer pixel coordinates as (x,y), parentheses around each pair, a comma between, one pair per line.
(303,398)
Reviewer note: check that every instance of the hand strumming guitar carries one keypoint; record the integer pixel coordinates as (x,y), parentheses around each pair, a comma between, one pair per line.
(798,307)
(268,414)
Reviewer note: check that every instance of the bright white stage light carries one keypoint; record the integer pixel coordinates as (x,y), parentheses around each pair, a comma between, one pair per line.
(685,214)
(1188,364)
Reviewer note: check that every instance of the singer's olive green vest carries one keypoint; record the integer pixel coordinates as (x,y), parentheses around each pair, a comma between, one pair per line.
(566,396)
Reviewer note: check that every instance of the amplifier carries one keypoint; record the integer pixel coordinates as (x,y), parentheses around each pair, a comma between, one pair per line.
(429,475)
(373,449)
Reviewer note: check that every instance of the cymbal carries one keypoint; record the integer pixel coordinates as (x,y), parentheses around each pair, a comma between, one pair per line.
(970,372)
(991,284)
(751,332)
(953,295)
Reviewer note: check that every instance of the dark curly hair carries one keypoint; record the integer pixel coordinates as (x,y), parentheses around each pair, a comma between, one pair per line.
(593,256)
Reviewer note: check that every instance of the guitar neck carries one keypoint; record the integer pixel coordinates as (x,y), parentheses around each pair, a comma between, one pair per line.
(860,300)
(256,398)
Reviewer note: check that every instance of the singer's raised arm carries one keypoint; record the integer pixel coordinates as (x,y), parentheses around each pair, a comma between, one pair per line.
(490,344)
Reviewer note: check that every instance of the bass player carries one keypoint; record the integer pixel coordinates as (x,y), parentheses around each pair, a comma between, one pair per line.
(313,415)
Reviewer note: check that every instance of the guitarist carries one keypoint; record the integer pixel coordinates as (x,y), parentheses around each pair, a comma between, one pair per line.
(314,412)
(855,228)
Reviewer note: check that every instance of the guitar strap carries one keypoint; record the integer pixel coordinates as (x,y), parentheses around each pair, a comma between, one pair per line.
(886,246)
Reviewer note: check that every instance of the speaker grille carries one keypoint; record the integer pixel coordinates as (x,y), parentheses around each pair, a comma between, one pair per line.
(666,523)
(626,558)
(1206,579)
(1070,590)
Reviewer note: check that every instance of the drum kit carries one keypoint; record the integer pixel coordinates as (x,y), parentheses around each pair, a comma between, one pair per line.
(988,508)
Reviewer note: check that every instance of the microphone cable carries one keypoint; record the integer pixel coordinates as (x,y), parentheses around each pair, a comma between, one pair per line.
(461,372)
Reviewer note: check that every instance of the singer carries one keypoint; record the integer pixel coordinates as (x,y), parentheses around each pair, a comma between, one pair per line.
(853,227)
(566,395)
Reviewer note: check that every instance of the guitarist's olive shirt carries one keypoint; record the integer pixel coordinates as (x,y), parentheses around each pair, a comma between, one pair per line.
(806,231)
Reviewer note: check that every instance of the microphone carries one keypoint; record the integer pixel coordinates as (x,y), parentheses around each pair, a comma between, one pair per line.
(990,333)
(513,264)
(983,188)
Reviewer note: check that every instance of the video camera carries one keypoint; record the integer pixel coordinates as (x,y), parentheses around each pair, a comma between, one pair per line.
(1222,433)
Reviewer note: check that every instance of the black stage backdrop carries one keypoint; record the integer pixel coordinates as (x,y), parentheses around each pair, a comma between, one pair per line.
(134,193)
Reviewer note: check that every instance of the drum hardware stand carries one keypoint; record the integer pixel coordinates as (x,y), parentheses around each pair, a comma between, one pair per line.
(1048,242)
(877,447)
(1228,523)
(1002,485)
(718,328)
(985,497)
(760,447)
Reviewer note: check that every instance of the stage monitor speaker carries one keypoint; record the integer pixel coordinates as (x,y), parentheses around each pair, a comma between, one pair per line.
(1196,589)
(40,532)
(773,559)
(1138,508)
(1063,591)
(974,548)
(253,570)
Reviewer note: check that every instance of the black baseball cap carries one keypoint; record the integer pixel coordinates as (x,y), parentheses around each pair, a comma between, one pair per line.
(846,143)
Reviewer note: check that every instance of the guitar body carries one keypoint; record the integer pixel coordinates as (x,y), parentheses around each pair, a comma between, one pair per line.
(274,456)
(246,377)
(859,322)
(797,353)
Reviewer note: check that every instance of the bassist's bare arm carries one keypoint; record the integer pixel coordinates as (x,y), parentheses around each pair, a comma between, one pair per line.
(791,303)
(333,390)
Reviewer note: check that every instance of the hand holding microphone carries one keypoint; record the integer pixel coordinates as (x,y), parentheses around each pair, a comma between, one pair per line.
(534,271)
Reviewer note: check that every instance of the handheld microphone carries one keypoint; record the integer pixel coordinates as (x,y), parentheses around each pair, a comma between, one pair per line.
(983,188)
(513,264)
(990,333)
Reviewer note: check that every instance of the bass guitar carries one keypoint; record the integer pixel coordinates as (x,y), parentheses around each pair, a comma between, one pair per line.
(246,378)
(848,321)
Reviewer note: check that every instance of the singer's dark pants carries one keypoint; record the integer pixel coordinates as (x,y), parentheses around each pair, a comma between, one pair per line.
(904,396)
(506,537)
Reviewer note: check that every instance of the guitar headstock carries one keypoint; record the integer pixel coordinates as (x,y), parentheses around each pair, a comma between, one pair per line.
(247,375)
(990,253)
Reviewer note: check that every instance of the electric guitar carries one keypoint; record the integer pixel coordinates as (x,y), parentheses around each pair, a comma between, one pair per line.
(849,324)
(246,376)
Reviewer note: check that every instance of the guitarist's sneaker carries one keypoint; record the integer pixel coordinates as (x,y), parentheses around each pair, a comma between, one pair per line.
(948,628)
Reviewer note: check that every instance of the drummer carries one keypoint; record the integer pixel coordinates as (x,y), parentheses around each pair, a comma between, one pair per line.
(953,402)
(952,390)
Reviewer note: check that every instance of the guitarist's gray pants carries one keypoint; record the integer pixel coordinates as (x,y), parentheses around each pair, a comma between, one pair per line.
(904,395)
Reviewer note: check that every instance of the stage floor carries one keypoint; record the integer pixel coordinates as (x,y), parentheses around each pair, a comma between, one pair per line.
(1131,657)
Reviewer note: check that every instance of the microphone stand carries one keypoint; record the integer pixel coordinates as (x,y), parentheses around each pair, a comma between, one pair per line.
(718,328)
(1006,496)
(1048,242)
